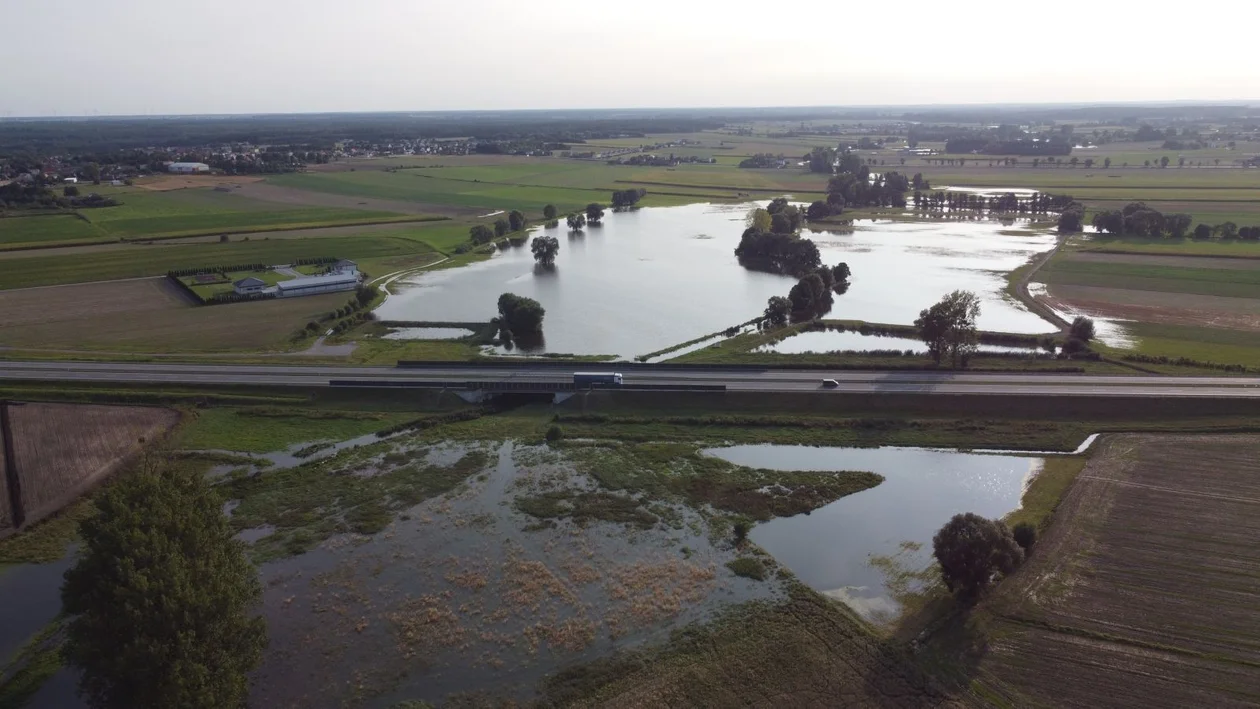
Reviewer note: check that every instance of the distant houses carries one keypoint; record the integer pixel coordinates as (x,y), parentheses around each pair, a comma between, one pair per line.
(249,285)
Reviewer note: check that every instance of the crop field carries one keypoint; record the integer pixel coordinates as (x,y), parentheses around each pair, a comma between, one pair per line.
(149,316)
(200,211)
(44,229)
(139,260)
(1232,282)
(61,450)
(1145,588)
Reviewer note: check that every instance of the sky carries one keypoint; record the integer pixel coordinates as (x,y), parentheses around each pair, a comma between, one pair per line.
(138,57)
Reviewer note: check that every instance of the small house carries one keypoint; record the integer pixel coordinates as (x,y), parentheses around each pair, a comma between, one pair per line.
(249,285)
(345,267)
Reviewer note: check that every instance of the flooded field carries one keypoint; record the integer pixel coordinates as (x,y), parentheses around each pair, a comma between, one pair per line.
(832,549)
(428,333)
(820,341)
(655,277)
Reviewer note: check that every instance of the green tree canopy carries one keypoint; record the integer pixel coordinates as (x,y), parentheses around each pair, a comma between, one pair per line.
(521,315)
(517,220)
(549,212)
(758,219)
(481,234)
(545,249)
(973,551)
(778,310)
(594,212)
(948,328)
(162,598)
(576,221)
(501,227)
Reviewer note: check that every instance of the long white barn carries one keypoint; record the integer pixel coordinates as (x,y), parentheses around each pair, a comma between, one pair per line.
(312,285)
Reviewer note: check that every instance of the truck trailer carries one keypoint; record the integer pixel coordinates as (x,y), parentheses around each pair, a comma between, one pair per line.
(596,379)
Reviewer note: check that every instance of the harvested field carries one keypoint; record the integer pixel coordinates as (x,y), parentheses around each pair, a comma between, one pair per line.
(62,450)
(1158,307)
(149,315)
(1146,590)
(164,183)
(280,194)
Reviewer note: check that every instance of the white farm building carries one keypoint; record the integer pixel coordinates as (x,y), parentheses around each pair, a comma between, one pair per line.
(313,285)
(187,168)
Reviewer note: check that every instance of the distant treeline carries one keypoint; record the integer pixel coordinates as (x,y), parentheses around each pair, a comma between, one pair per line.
(1137,219)
(1007,203)
(322,131)
(987,146)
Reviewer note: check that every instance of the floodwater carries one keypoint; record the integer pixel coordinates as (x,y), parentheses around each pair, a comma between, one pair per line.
(655,277)
(32,598)
(464,593)
(822,341)
(831,548)
(428,333)
(1107,330)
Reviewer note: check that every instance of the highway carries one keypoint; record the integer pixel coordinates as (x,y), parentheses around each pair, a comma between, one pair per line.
(768,380)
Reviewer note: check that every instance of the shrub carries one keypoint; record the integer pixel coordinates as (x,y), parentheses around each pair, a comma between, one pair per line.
(1075,345)
(555,433)
(741,529)
(972,551)
(748,568)
(1025,536)
(1082,328)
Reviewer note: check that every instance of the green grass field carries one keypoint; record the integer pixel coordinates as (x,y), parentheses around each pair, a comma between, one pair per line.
(45,229)
(206,211)
(138,260)
(1168,279)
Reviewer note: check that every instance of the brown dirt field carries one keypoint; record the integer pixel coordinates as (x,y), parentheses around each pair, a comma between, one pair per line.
(1156,307)
(1146,590)
(165,183)
(1214,262)
(6,506)
(307,198)
(149,315)
(62,450)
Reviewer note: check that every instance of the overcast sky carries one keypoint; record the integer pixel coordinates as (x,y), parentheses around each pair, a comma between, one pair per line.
(237,56)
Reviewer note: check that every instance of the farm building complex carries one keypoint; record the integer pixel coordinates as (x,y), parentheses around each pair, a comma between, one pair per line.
(187,168)
(312,285)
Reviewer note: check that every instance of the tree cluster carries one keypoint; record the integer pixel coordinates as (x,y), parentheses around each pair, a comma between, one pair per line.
(1072,219)
(987,146)
(1137,219)
(1006,203)
(520,316)
(948,328)
(774,252)
(624,199)
(811,297)
(852,186)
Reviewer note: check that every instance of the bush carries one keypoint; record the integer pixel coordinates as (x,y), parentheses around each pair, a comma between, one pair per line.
(741,529)
(555,433)
(748,568)
(1075,345)
(1025,536)
(1082,328)
(973,551)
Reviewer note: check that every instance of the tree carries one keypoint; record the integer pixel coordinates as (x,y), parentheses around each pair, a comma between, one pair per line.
(821,160)
(810,296)
(1163,162)
(1107,163)
(973,551)
(70,191)
(778,309)
(549,212)
(818,210)
(948,328)
(517,220)
(520,315)
(594,213)
(1025,535)
(554,434)
(501,227)
(575,221)
(1203,231)
(1082,328)
(92,171)
(1226,230)
(545,249)
(758,219)
(481,234)
(161,598)
(1072,218)
(780,223)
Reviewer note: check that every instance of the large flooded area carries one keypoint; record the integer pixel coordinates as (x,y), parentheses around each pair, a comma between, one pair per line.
(651,278)
(838,549)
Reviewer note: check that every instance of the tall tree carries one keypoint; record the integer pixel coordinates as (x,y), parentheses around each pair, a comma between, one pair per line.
(501,227)
(778,310)
(545,249)
(517,220)
(594,212)
(948,328)
(973,551)
(549,212)
(758,219)
(576,221)
(481,234)
(161,598)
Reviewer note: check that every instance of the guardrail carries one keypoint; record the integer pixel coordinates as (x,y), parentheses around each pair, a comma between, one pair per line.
(515,386)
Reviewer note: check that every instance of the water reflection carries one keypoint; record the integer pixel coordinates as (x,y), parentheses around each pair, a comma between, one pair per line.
(651,278)
(832,549)
(822,341)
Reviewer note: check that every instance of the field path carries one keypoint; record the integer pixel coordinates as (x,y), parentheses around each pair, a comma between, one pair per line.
(268,192)
(1038,307)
